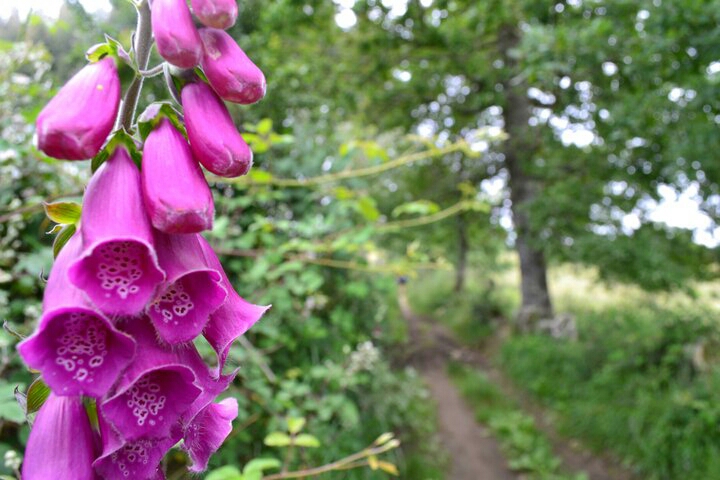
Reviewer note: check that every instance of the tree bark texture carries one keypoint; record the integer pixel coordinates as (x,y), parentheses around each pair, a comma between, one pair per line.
(524,189)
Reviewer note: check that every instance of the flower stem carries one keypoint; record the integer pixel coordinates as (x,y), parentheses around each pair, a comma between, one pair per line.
(143,44)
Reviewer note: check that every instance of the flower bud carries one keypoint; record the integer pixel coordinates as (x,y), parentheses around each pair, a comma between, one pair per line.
(118,269)
(214,140)
(230,72)
(76,348)
(180,202)
(76,122)
(192,291)
(61,445)
(215,13)
(177,38)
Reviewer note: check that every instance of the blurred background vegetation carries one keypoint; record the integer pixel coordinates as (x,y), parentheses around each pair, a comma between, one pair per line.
(515,159)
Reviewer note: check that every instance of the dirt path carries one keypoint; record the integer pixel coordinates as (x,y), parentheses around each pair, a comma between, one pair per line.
(474,454)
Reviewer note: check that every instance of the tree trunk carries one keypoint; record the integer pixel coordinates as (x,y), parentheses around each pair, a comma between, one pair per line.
(461,266)
(519,151)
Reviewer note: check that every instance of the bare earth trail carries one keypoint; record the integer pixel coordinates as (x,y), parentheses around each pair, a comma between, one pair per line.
(474,453)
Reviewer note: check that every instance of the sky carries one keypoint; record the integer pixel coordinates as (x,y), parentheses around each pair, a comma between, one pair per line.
(676,209)
(50,8)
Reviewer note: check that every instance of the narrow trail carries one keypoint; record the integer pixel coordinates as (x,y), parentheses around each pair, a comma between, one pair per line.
(474,454)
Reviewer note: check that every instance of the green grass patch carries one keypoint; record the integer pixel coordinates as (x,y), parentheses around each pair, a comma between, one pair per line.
(524,445)
(630,385)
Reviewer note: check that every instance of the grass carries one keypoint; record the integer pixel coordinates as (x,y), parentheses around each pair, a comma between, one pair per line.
(524,445)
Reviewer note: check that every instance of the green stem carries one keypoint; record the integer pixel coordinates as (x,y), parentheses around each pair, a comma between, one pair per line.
(143,45)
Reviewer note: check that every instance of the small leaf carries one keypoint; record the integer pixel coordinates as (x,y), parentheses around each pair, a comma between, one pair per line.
(366,206)
(115,48)
(99,159)
(277,439)
(91,410)
(306,440)
(261,464)
(97,52)
(373,462)
(259,176)
(295,424)
(63,212)
(264,126)
(388,468)
(227,472)
(384,438)
(36,395)
(62,238)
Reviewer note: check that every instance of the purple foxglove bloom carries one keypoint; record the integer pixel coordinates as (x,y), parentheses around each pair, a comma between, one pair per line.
(62,444)
(135,460)
(207,432)
(153,393)
(233,318)
(177,38)
(192,292)
(180,202)
(118,269)
(214,140)
(76,122)
(230,72)
(76,348)
(215,13)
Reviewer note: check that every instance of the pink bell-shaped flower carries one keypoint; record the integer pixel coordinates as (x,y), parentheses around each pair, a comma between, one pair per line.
(214,140)
(175,34)
(191,293)
(230,72)
(233,318)
(118,268)
(180,202)
(76,122)
(215,13)
(207,432)
(76,348)
(62,444)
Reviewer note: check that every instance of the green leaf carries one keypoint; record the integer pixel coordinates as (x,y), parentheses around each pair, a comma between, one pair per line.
(63,212)
(278,439)
(367,208)
(62,238)
(261,464)
(227,472)
(264,127)
(418,207)
(36,395)
(152,115)
(295,424)
(97,52)
(10,409)
(384,438)
(260,176)
(306,440)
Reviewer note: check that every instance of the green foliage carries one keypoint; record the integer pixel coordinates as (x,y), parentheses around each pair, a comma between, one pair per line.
(635,383)
(526,448)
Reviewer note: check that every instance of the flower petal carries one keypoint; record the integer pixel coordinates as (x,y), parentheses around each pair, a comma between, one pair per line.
(76,122)
(76,348)
(215,13)
(49,453)
(118,269)
(208,431)
(192,292)
(175,34)
(233,318)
